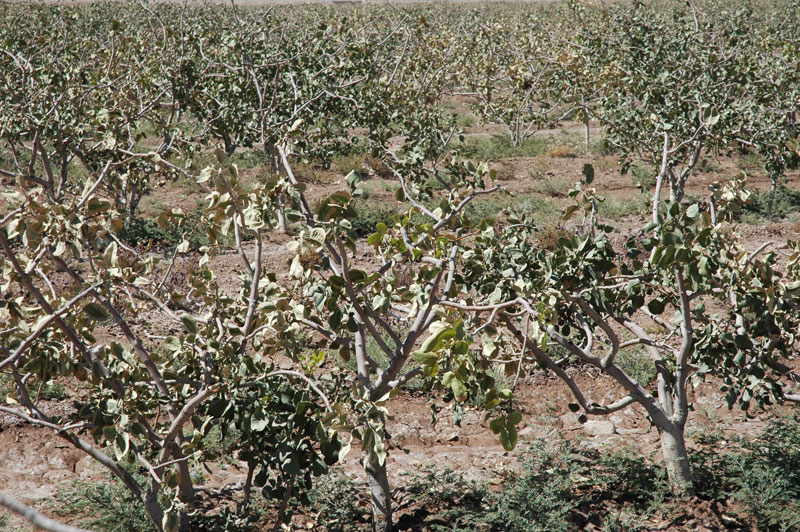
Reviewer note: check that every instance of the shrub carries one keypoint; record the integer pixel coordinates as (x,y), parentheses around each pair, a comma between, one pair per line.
(101,506)
(369,214)
(336,498)
(554,187)
(783,202)
(561,151)
(644,176)
(353,162)
(636,364)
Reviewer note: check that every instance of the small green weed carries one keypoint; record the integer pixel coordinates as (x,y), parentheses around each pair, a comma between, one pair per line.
(144,230)
(459,113)
(369,214)
(353,162)
(613,209)
(101,506)
(602,146)
(750,162)
(542,210)
(709,165)
(557,484)
(554,187)
(52,391)
(537,168)
(337,500)
(548,236)
(542,497)
(760,475)
(643,176)
(7,386)
(246,160)
(637,365)
(561,151)
(499,146)
(780,204)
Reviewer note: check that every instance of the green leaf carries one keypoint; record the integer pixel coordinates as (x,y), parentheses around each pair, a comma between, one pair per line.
(588,173)
(569,211)
(441,332)
(458,387)
(296,268)
(656,306)
(95,312)
(426,358)
(96,206)
(508,437)
(189,323)
(172,343)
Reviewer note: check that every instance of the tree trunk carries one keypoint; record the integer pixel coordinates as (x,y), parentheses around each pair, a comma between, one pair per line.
(282,214)
(275,166)
(284,504)
(154,510)
(773,186)
(380,495)
(585,113)
(248,485)
(657,196)
(230,145)
(676,459)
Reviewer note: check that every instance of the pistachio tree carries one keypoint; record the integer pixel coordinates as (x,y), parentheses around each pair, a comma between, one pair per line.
(685,293)
(392,302)
(74,104)
(510,70)
(71,294)
(679,85)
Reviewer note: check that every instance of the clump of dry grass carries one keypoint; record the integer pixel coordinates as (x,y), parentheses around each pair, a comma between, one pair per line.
(561,151)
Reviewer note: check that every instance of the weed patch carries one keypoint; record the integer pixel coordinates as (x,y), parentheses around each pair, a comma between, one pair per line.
(643,176)
(554,187)
(339,504)
(106,507)
(780,204)
(369,214)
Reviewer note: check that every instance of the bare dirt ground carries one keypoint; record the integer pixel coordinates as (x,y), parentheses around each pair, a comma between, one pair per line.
(35,462)
(258,3)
